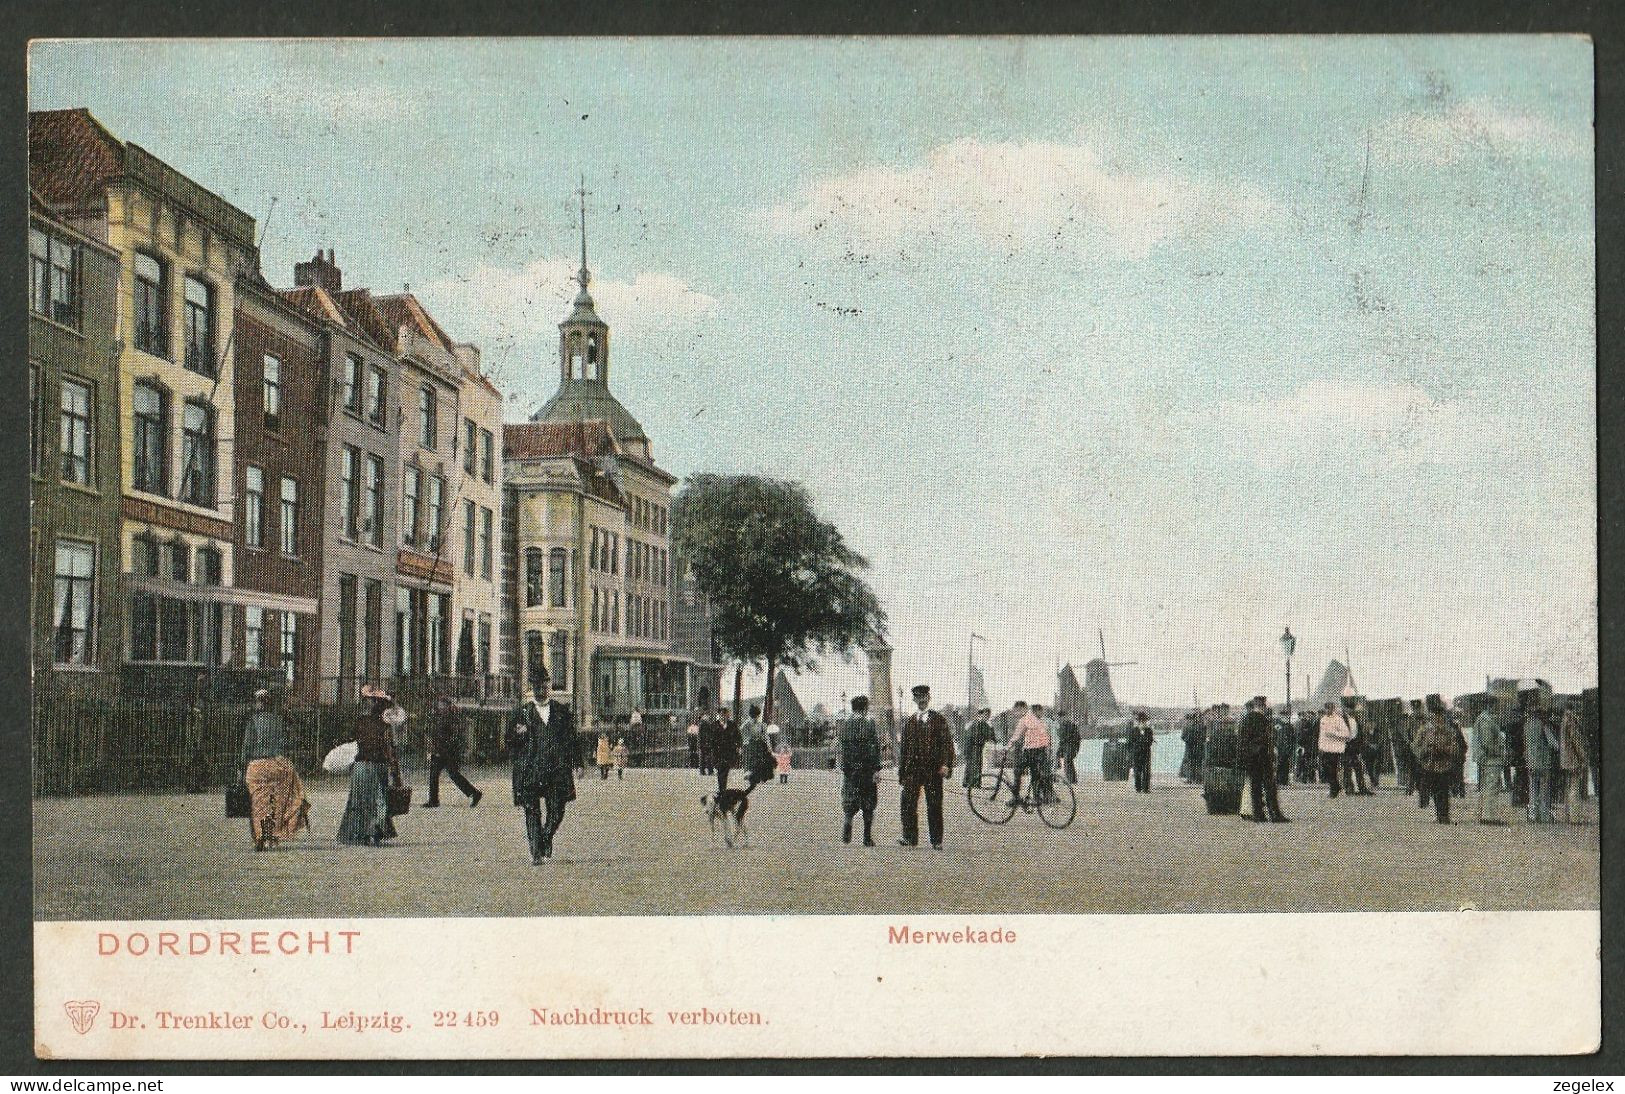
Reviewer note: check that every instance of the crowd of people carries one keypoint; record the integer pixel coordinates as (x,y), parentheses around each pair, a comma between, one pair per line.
(1523,751)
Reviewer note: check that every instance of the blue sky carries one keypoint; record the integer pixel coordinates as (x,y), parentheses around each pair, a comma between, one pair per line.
(1182,339)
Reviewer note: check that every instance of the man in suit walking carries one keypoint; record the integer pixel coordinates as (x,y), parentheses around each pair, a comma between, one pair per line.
(726,745)
(925,755)
(446,753)
(541,741)
(860,770)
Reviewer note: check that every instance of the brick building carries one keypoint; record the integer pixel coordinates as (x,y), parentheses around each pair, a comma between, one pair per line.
(279,463)
(181,250)
(73,456)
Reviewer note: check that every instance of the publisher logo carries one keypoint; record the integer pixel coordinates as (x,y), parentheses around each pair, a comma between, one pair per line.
(82,1013)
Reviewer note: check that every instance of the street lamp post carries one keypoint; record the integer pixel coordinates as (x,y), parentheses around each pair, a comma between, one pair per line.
(1288,644)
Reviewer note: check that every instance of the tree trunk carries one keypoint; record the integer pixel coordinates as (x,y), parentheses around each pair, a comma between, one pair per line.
(739,690)
(767,703)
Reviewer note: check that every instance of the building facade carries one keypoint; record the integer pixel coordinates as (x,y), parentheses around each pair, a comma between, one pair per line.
(476,584)
(73,457)
(279,472)
(361,509)
(181,250)
(590,586)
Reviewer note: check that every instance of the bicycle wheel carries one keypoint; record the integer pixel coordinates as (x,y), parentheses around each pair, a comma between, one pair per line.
(993,799)
(1061,806)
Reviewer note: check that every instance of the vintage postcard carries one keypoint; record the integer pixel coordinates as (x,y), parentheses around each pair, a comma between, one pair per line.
(813,547)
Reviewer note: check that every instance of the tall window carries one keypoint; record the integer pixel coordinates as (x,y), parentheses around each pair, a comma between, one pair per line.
(426,417)
(377,389)
(592,555)
(199,319)
(561,659)
(470,443)
(197,454)
(353,370)
(372,632)
(405,631)
(375,500)
(411,487)
(150,437)
(597,610)
(487,456)
(614,553)
(350,490)
(487,518)
(253,506)
(253,637)
(208,566)
(482,650)
(289,644)
(271,391)
(534,654)
(435,513)
(347,633)
(77,438)
(533,577)
(53,277)
(439,607)
(555,577)
(151,326)
(468,538)
(290,516)
(180,561)
(615,611)
(75,599)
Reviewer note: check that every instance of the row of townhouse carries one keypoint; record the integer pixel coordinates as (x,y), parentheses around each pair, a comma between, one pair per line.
(235,483)
(232,482)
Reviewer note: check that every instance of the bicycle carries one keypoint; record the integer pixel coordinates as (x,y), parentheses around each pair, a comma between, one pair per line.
(994,800)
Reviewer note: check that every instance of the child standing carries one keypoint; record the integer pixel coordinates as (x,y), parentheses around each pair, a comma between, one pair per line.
(619,755)
(781,761)
(602,756)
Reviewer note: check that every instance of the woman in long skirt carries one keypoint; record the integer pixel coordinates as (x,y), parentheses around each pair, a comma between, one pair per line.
(366,814)
(278,809)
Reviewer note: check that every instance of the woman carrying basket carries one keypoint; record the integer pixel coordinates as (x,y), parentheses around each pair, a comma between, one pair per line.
(366,815)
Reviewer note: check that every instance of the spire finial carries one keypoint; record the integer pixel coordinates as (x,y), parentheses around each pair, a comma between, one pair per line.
(582,192)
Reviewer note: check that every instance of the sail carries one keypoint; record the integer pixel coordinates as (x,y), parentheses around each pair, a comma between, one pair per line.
(976,689)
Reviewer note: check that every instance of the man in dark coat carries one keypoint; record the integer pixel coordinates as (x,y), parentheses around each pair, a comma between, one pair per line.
(1285,745)
(1140,740)
(1255,750)
(1068,740)
(978,735)
(860,770)
(709,722)
(446,753)
(1190,765)
(925,755)
(541,740)
(726,745)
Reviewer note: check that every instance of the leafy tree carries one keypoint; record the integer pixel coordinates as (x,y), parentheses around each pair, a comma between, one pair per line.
(784,587)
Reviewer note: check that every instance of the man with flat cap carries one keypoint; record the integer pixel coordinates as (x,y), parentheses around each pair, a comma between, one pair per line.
(925,755)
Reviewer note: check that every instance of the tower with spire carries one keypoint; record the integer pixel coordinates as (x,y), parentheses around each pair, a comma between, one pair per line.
(583,392)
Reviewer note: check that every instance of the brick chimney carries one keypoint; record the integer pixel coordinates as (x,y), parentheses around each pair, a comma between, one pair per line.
(320,271)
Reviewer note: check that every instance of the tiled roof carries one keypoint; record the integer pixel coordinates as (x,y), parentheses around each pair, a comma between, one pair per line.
(403,310)
(314,299)
(551,440)
(71,157)
(363,307)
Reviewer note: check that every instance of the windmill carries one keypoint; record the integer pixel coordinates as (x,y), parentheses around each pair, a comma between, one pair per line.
(1099,699)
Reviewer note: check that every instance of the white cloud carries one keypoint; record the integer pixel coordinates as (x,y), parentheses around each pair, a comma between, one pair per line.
(1393,424)
(502,305)
(1015,194)
(1474,128)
